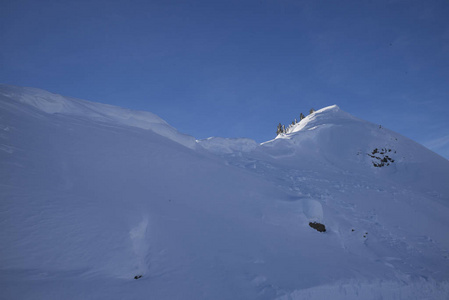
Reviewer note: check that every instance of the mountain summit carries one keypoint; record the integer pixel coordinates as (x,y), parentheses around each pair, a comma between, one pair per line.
(101,202)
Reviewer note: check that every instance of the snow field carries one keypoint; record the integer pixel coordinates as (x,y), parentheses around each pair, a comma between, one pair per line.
(93,195)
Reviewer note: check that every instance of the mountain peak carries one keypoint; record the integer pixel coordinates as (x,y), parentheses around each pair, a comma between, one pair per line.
(328,108)
(327,116)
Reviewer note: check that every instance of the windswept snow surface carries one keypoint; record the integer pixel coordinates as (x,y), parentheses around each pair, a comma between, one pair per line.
(102,113)
(93,195)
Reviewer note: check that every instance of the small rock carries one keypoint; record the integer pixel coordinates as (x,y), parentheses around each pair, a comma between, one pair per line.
(137,276)
(318,226)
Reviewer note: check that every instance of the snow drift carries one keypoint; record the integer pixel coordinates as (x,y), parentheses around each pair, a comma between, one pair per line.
(93,195)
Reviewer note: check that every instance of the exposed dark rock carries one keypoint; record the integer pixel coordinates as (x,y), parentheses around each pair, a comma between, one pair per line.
(137,276)
(381,159)
(318,226)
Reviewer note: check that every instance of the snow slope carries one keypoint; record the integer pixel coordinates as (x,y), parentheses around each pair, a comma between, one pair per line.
(102,113)
(93,195)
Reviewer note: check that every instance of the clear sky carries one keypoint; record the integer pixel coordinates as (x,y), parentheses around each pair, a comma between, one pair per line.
(238,68)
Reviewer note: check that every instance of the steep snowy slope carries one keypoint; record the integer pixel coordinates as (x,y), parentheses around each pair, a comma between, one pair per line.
(93,195)
(334,137)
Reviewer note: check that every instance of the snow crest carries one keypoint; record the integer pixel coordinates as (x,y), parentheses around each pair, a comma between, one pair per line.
(56,104)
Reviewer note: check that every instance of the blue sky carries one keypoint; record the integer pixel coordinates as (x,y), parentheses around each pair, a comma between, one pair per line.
(238,68)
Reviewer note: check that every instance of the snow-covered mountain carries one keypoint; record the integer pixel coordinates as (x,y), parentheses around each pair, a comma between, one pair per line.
(93,195)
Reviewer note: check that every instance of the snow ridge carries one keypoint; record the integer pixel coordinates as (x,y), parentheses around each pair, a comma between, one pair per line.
(56,104)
